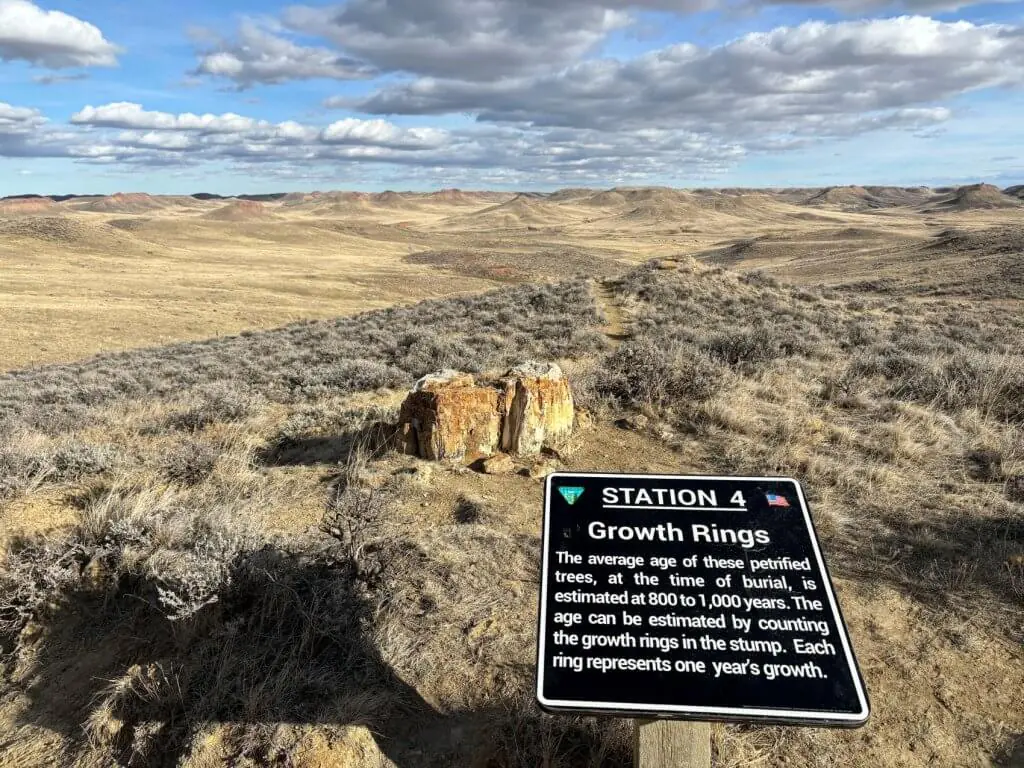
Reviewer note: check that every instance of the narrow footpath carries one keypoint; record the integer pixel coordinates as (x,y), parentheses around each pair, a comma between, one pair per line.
(614,328)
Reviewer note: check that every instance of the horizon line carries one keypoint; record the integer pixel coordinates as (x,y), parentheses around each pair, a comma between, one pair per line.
(864,185)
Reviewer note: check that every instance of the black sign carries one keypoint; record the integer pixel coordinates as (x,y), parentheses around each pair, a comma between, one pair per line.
(701,598)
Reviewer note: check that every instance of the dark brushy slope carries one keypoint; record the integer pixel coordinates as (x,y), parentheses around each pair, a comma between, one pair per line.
(299,362)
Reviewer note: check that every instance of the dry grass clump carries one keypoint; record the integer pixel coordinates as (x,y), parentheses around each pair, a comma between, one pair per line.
(563,741)
(35,572)
(328,417)
(191,462)
(329,432)
(659,372)
(211,404)
(28,460)
(953,380)
(18,471)
(125,533)
(72,460)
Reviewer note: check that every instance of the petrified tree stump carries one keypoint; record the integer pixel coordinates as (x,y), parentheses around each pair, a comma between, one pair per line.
(538,408)
(449,415)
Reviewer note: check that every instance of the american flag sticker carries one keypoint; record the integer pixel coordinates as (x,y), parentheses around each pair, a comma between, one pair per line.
(774,500)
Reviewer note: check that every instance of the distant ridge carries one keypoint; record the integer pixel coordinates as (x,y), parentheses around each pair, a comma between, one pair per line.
(978,197)
(264,198)
(453,196)
(391,199)
(124,202)
(54,198)
(851,198)
(26,206)
(571,193)
(607,199)
(866,196)
(240,210)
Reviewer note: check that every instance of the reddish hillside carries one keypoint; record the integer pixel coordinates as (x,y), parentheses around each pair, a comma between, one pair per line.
(121,202)
(27,206)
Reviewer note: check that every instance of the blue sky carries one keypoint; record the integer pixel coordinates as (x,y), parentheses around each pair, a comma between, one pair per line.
(264,96)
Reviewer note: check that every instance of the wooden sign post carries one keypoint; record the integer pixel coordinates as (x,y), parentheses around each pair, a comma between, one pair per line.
(679,600)
(672,744)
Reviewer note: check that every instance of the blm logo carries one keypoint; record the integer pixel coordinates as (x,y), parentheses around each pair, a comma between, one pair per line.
(570,493)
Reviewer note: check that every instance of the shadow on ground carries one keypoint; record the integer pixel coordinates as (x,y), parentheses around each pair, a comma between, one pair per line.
(290,643)
(306,451)
(373,439)
(1014,757)
(940,560)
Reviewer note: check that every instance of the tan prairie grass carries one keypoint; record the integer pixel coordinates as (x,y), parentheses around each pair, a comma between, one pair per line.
(174,271)
(222,565)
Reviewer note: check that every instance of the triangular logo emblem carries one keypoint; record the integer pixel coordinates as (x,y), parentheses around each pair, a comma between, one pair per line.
(570,493)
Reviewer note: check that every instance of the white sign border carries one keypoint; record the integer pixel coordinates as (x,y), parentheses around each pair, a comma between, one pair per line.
(591,707)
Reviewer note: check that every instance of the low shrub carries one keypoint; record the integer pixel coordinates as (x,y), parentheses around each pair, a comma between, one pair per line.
(15,469)
(355,516)
(750,346)
(759,278)
(190,462)
(73,460)
(25,465)
(36,571)
(645,372)
(354,376)
(216,403)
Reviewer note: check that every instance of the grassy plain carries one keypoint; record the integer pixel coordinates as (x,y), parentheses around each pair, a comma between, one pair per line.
(86,276)
(211,560)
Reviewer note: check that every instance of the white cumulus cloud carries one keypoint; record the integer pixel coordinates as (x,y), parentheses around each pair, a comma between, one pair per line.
(126,114)
(19,119)
(146,136)
(381,132)
(51,39)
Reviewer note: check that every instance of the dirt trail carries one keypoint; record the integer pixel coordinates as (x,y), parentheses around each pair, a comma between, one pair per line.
(608,303)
